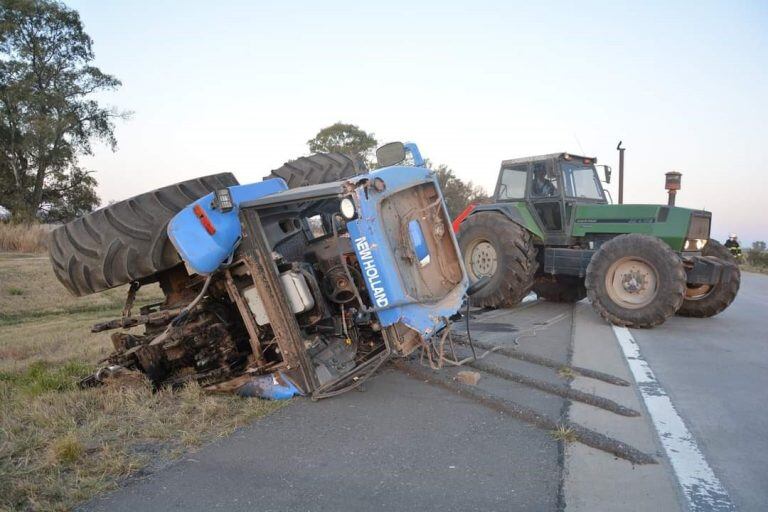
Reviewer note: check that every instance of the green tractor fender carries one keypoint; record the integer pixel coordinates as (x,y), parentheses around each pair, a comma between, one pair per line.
(516,212)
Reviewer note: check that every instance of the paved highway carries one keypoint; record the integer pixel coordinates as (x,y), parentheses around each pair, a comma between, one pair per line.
(421,442)
(716,374)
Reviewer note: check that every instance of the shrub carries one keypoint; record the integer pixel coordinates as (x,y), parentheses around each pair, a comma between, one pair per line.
(757,258)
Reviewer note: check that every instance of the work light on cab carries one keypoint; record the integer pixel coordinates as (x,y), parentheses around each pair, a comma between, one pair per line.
(348,208)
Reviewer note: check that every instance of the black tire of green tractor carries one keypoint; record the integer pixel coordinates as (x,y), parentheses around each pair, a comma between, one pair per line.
(126,241)
(720,295)
(652,252)
(316,169)
(560,288)
(516,258)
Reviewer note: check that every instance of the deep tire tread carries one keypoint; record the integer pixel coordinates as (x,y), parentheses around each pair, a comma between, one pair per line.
(316,169)
(671,280)
(126,241)
(516,254)
(723,293)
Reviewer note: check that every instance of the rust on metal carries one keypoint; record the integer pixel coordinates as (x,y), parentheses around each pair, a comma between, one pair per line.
(282,320)
(245,314)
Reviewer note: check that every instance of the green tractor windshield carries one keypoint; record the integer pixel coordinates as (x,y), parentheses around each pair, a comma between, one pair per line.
(581,181)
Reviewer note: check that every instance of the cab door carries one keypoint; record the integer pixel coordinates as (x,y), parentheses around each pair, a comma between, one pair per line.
(546,198)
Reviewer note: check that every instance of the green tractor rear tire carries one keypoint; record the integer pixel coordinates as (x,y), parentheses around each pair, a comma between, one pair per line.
(635,280)
(495,247)
(702,301)
(566,289)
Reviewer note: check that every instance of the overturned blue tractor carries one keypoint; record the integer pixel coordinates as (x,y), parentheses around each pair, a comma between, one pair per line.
(304,283)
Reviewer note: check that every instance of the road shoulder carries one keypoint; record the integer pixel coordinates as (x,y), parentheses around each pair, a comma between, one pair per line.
(593,478)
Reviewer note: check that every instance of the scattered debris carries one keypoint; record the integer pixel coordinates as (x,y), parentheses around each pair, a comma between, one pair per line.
(468,378)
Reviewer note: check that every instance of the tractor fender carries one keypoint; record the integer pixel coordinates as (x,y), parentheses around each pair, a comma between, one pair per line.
(516,212)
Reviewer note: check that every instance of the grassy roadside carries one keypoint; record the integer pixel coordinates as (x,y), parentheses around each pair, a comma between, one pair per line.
(60,445)
(754,269)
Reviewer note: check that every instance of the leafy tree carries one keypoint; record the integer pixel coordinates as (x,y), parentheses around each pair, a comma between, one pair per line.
(344,138)
(758,246)
(47,115)
(458,194)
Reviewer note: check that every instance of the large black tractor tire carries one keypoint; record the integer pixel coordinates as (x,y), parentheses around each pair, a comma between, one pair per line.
(495,247)
(317,169)
(125,241)
(636,281)
(702,301)
(560,288)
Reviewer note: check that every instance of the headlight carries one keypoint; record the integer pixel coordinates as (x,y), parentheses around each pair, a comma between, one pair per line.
(348,208)
(695,244)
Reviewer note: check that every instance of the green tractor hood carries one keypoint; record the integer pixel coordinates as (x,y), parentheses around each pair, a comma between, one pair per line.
(670,223)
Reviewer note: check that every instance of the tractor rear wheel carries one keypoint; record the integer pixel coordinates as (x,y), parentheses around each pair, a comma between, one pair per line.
(495,247)
(126,241)
(635,280)
(704,300)
(316,169)
(560,288)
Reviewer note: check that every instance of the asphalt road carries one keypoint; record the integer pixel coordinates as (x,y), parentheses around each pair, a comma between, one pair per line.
(716,373)
(405,444)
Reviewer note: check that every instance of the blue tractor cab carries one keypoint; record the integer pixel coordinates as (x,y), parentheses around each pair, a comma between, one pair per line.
(329,280)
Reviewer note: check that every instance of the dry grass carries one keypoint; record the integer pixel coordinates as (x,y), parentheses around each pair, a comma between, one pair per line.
(26,238)
(60,445)
(566,372)
(564,434)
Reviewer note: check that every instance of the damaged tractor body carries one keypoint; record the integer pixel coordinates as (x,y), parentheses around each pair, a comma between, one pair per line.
(305,290)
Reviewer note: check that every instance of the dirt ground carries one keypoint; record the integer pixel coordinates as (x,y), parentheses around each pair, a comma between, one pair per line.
(60,445)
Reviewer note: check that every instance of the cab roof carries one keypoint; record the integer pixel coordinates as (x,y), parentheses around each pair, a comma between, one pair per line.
(550,156)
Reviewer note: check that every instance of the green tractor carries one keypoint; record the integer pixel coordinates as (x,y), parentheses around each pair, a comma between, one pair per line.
(552,230)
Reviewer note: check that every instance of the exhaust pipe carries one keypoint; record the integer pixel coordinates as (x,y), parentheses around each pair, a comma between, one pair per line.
(621,172)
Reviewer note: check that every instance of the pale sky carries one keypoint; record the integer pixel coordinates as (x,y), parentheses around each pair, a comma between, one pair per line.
(241,86)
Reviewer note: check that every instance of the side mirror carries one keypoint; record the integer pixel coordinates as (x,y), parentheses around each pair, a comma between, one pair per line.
(607,172)
(390,154)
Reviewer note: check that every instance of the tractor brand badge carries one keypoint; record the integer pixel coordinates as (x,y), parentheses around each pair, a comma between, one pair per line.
(371,272)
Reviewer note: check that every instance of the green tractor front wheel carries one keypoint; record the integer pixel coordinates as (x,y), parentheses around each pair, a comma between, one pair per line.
(636,280)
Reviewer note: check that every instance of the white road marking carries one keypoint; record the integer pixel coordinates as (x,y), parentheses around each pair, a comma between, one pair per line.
(701,488)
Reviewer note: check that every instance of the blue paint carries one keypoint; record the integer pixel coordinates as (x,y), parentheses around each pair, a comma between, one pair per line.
(371,244)
(205,253)
(413,149)
(273,386)
(202,252)
(418,242)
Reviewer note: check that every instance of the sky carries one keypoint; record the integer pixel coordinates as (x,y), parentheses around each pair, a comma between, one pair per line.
(241,86)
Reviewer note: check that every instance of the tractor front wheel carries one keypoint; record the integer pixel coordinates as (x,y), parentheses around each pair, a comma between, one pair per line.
(495,247)
(705,300)
(635,280)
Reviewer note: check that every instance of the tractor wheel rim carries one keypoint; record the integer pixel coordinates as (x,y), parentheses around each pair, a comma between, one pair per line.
(632,283)
(697,292)
(483,260)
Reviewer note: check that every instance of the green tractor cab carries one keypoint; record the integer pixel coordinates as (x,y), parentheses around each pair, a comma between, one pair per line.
(552,230)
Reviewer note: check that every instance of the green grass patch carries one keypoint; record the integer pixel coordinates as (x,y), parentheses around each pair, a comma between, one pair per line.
(15,291)
(18,318)
(41,377)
